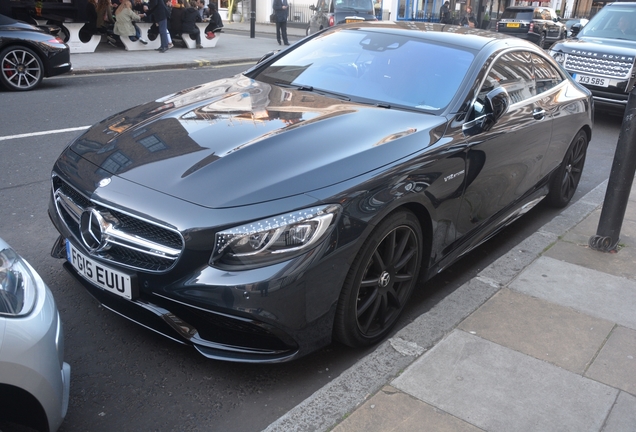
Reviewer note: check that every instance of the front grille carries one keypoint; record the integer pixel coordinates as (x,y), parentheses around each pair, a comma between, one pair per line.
(129,241)
(613,68)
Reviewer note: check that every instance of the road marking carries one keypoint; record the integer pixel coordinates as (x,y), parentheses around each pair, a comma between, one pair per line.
(32,134)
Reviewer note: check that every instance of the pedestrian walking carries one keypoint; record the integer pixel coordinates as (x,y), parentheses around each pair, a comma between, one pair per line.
(282,12)
(444,14)
(468,20)
(159,12)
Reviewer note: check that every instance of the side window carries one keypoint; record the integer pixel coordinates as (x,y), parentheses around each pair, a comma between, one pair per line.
(546,75)
(514,72)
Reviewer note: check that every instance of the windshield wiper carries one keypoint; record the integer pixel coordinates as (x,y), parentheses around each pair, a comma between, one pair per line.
(309,88)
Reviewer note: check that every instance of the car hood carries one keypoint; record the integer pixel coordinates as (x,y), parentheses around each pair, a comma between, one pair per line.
(597,45)
(237,141)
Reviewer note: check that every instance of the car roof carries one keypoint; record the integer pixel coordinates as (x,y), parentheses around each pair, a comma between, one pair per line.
(471,38)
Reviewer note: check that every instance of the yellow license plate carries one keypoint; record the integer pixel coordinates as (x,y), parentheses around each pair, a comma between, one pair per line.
(515,25)
(348,20)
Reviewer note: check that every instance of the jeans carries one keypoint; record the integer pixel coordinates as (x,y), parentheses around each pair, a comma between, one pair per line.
(163,33)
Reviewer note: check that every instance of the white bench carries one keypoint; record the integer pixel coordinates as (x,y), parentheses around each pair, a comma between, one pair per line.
(137,45)
(75,44)
(207,43)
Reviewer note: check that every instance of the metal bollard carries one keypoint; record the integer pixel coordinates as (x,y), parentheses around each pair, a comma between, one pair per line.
(619,185)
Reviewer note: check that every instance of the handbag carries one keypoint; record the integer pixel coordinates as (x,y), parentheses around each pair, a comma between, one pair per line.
(272,17)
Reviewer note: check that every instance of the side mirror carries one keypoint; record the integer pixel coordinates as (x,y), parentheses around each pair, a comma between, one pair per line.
(495,106)
(498,101)
(312,8)
(575,29)
(266,56)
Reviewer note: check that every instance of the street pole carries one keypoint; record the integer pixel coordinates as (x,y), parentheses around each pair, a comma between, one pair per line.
(253,19)
(620,182)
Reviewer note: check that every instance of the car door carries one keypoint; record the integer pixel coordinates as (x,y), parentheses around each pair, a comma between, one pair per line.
(504,163)
(316,22)
(552,27)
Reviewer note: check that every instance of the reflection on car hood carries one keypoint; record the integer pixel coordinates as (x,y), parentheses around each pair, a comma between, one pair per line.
(238,141)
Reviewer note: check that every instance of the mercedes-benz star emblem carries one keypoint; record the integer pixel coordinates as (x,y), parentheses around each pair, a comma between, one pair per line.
(92,228)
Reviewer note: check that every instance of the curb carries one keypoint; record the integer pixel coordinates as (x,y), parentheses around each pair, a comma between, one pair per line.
(161,66)
(329,405)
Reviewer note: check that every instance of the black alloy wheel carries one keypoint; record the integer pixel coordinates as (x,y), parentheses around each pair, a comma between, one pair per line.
(22,69)
(566,178)
(380,281)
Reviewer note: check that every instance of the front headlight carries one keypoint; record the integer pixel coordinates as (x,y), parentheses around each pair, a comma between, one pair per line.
(558,56)
(17,287)
(274,239)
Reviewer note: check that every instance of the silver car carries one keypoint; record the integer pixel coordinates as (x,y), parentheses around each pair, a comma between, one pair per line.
(34,379)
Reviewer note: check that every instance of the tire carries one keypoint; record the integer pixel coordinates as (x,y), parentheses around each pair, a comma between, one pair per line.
(20,69)
(380,281)
(566,178)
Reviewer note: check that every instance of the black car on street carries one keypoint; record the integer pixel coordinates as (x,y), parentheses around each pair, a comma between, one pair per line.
(537,24)
(328,13)
(28,54)
(260,217)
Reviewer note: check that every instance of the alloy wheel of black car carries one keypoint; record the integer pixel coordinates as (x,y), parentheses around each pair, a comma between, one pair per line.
(567,177)
(21,69)
(380,281)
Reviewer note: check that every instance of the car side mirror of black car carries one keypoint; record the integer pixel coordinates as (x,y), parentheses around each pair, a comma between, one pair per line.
(495,106)
(312,8)
(266,56)
(575,29)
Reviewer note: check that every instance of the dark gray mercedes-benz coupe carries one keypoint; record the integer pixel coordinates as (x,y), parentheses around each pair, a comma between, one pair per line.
(261,216)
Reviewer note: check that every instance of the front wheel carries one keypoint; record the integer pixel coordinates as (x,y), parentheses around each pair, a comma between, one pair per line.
(21,69)
(566,178)
(380,281)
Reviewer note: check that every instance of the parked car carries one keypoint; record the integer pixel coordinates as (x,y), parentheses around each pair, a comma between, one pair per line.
(28,54)
(579,23)
(257,217)
(537,24)
(601,56)
(328,13)
(34,379)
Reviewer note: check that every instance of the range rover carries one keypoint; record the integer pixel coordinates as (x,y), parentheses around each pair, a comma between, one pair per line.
(601,55)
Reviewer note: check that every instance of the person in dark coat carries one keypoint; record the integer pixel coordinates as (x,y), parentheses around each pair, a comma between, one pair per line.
(444,14)
(216,23)
(281,10)
(90,28)
(188,24)
(159,12)
(175,21)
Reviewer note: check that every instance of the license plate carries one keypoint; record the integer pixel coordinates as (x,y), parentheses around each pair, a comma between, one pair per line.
(515,25)
(352,20)
(104,277)
(595,81)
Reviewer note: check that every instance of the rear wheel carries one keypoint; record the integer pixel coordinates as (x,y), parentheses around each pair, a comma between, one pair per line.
(21,69)
(380,281)
(567,176)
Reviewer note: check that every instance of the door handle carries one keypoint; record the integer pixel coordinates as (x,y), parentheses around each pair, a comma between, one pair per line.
(538,113)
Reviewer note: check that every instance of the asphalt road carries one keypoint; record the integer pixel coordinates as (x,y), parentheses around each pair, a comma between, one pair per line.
(125,377)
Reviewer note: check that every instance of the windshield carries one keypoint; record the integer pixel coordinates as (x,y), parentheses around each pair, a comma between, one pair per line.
(615,22)
(370,66)
(353,5)
(523,15)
